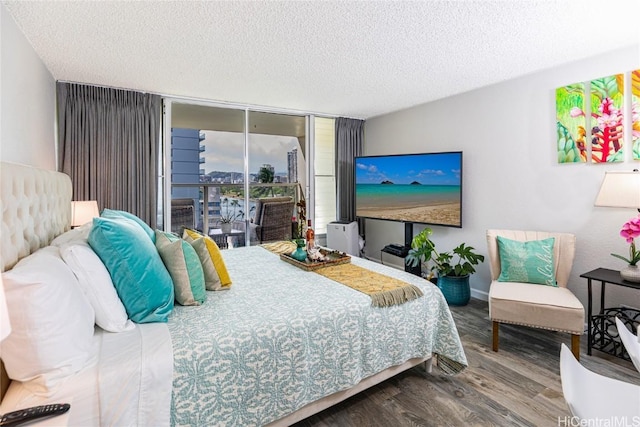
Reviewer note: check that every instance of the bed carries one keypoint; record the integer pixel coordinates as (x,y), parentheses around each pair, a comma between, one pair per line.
(280,345)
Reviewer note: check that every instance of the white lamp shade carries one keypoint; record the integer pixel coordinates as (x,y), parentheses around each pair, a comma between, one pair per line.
(83,212)
(5,326)
(620,190)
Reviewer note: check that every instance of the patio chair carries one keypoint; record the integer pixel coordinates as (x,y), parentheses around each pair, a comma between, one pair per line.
(272,219)
(182,215)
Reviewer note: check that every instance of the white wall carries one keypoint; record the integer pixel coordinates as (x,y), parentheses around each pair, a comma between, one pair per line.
(511,178)
(27,112)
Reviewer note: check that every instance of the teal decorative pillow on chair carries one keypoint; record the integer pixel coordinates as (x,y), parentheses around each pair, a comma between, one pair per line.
(527,262)
(137,271)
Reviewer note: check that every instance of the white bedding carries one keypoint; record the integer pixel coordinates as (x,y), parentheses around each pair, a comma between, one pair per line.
(126,382)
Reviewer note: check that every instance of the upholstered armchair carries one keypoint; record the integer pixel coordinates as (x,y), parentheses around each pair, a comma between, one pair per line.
(525,303)
(272,219)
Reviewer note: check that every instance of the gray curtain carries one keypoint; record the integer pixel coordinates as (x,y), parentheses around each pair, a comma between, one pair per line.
(108,144)
(349,144)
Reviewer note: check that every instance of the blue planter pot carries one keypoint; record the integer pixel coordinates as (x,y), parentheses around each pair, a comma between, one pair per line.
(455,289)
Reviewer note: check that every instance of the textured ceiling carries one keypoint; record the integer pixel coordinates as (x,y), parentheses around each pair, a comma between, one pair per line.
(346,58)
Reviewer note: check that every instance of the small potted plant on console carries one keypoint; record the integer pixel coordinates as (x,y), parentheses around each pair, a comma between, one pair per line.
(453,268)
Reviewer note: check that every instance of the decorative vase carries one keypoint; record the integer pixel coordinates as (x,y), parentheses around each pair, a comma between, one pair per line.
(300,253)
(226,227)
(631,273)
(455,289)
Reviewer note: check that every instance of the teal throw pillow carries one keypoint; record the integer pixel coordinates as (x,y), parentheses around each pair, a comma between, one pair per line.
(184,266)
(527,262)
(137,271)
(112,213)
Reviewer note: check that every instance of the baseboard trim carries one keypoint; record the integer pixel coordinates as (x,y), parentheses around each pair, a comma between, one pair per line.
(481,295)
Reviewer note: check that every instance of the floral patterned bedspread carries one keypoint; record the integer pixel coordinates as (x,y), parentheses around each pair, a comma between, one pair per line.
(282,337)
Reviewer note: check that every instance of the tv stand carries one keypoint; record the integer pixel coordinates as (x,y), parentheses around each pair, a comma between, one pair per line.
(397,250)
(401,251)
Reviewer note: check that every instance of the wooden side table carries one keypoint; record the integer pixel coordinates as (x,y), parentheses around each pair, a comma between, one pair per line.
(597,328)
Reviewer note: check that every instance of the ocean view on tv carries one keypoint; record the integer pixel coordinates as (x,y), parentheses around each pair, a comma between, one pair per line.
(420,188)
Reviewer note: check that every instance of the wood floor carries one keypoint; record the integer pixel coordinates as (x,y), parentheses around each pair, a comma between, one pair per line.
(517,386)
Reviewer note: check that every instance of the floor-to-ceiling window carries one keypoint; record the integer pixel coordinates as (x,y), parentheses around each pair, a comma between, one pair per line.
(204,161)
(211,163)
(276,158)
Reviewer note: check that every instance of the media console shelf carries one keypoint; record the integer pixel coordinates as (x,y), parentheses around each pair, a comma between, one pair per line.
(401,251)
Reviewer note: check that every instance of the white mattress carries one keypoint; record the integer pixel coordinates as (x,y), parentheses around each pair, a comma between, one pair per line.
(126,382)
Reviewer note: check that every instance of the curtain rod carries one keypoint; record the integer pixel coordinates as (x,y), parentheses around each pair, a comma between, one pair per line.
(228,104)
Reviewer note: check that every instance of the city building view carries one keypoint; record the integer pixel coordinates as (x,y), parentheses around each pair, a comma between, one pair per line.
(209,165)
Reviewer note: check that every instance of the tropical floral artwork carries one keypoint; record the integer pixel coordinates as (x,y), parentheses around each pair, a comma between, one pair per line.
(606,119)
(570,124)
(635,113)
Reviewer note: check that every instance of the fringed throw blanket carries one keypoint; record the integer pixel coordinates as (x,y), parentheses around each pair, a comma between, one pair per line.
(384,291)
(449,366)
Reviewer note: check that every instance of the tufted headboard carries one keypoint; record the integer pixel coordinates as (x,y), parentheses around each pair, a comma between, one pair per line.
(36,207)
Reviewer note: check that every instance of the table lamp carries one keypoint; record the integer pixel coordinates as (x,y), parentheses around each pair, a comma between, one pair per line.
(83,212)
(620,190)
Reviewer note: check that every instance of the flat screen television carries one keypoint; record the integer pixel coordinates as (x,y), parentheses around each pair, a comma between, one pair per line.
(412,188)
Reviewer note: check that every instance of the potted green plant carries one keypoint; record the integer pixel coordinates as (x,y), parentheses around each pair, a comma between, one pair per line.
(227,216)
(453,268)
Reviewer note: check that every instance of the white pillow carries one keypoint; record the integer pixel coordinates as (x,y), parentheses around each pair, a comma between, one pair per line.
(52,322)
(96,284)
(76,234)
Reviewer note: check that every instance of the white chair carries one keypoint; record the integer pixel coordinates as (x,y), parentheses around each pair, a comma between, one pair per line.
(630,342)
(594,398)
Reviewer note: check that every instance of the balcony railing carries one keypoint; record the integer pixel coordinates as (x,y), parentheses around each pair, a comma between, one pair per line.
(236,191)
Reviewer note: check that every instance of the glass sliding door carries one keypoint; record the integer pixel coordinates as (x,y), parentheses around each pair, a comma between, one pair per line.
(206,152)
(222,164)
(277,174)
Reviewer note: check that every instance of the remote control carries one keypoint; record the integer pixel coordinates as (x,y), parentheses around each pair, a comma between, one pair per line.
(29,414)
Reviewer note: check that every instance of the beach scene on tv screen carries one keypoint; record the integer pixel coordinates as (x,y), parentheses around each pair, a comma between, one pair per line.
(424,188)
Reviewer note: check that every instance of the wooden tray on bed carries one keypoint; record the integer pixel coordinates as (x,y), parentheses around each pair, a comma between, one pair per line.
(331,258)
